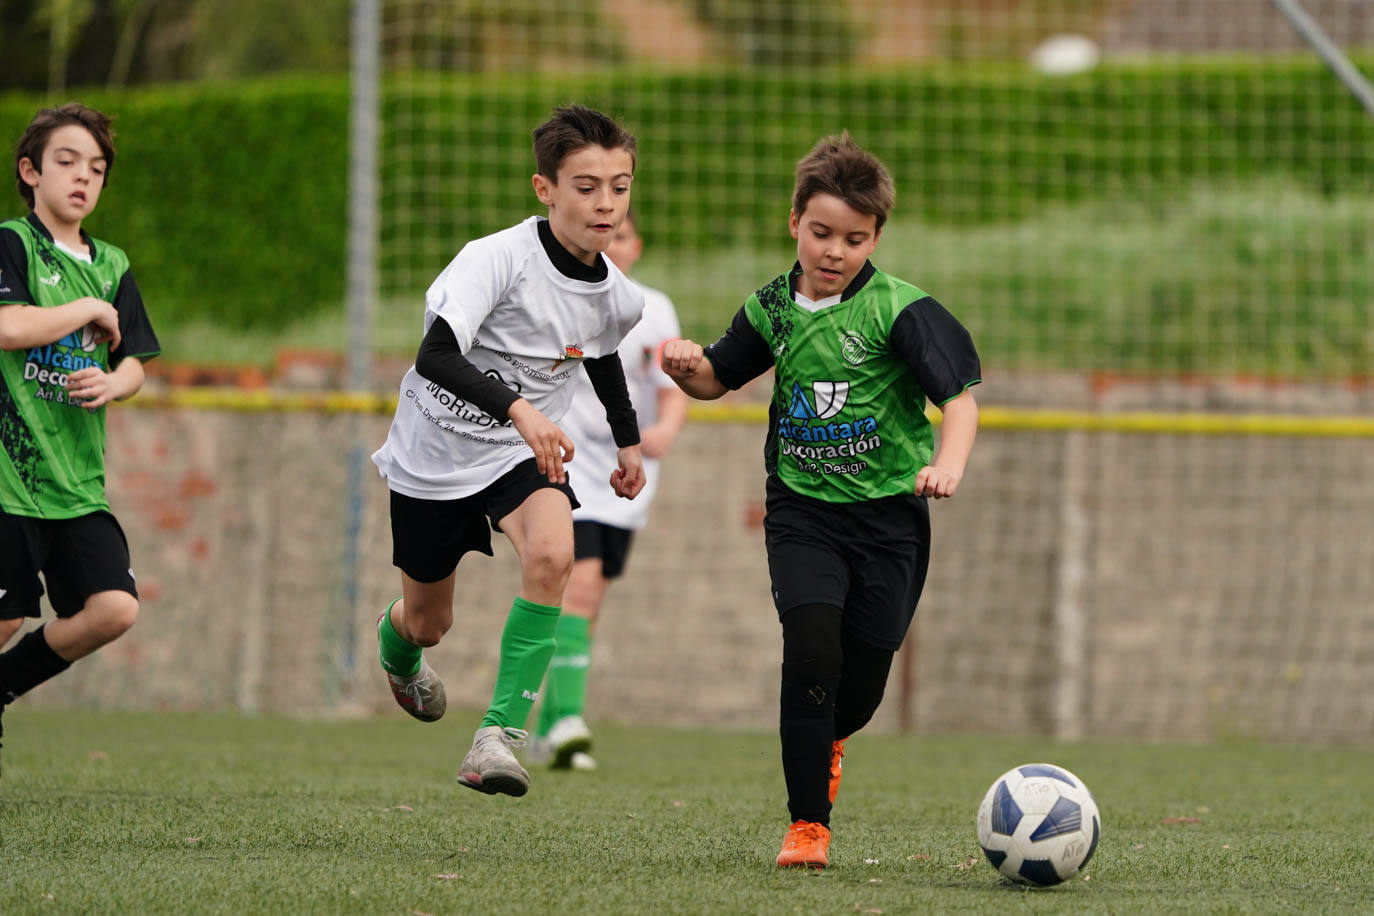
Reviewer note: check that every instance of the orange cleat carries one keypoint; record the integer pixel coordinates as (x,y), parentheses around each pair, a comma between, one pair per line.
(836,766)
(807,844)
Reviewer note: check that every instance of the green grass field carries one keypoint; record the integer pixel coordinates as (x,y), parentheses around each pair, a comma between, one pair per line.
(173,813)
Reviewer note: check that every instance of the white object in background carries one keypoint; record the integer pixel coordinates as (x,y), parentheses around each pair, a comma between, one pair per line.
(1062,55)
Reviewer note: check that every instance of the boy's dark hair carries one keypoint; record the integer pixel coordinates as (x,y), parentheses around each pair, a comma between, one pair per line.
(35,139)
(575,127)
(839,166)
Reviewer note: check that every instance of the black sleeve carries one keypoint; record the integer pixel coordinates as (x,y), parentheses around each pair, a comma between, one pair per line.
(442,362)
(136,336)
(937,348)
(14,270)
(608,380)
(741,353)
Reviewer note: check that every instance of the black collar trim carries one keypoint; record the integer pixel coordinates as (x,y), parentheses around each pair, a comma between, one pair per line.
(47,234)
(566,264)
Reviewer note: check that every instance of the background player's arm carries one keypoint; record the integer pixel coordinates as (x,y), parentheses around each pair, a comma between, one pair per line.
(672,416)
(941,477)
(23,326)
(94,387)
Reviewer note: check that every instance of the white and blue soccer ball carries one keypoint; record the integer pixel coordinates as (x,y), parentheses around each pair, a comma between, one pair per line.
(1038,824)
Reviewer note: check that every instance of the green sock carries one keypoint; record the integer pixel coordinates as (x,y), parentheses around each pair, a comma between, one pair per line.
(398,656)
(527,644)
(565,691)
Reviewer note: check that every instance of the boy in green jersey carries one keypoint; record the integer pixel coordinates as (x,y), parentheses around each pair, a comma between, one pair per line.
(73,338)
(850,458)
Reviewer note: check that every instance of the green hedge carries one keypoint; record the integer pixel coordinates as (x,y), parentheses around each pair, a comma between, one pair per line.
(231,199)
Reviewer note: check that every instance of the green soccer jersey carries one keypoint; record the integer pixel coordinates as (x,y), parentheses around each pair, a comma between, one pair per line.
(852,376)
(52,451)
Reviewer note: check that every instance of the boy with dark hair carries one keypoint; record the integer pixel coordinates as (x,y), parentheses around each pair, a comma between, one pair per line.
(603,526)
(73,337)
(509,324)
(849,458)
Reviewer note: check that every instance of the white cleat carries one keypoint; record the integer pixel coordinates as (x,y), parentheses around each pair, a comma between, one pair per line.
(583,761)
(538,752)
(490,766)
(568,736)
(421,694)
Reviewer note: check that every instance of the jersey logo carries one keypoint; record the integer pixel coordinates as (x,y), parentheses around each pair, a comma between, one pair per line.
(51,281)
(853,348)
(569,352)
(827,399)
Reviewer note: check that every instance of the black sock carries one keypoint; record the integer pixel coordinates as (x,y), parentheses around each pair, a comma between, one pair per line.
(31,662)
(861,687)
(811,662)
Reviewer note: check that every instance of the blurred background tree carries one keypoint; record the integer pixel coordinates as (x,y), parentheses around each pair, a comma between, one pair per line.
(53,44)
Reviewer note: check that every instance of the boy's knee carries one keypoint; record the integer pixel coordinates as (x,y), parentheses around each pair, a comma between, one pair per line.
(425,632)
(112,614)
(550,565)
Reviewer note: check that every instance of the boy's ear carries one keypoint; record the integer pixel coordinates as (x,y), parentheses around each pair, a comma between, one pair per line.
(542,189)
(28,172)
(792,225)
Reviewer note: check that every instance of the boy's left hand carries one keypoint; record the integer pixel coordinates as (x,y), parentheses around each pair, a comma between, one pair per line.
(933,480)
(628,479)
(91,387)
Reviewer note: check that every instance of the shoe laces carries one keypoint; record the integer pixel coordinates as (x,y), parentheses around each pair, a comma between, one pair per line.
(803,831)
(511,737)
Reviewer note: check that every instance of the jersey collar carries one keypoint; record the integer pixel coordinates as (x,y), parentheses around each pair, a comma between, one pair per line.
(860,279)
(565,263)
(44,231)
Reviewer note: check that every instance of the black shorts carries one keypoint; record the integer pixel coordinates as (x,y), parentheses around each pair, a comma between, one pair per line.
(76,556)
(611,544)
(868,559)
(430,536)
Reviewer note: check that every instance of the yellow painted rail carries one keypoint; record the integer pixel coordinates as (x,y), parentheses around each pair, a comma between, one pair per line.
(1007,418)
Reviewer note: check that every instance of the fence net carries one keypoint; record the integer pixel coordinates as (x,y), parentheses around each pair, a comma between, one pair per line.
(1153,205)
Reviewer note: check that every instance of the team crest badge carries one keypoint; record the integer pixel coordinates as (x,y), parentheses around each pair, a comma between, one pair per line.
(569,352)
(854,349)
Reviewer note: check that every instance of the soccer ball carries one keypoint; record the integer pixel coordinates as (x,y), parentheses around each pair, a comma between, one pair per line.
(1038,824)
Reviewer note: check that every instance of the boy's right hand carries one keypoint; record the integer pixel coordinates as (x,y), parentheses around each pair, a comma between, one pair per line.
(681,358)
(105,321)
(551,445)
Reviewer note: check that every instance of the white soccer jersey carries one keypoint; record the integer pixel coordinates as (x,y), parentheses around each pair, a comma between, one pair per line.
(585,423)
(515,317)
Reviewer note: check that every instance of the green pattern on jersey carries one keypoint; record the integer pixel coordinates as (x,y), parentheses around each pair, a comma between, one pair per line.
(52,452)
(848,421)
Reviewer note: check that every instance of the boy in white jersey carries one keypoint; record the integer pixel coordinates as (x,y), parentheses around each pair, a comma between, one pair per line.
(856,353)
(604,526)
(509,324)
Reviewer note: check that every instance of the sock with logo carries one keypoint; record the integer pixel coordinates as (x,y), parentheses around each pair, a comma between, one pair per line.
(31,662)
(565,688)
(527,644)
(399,656)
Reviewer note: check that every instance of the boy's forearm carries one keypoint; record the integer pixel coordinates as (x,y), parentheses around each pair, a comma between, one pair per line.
(130,375)
(958,429)
(23,326)
(701,384)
